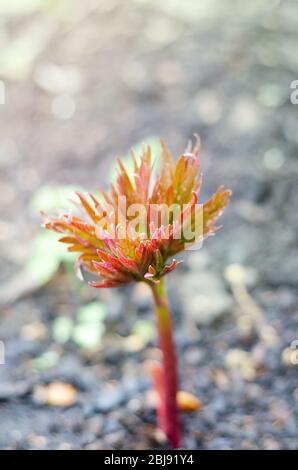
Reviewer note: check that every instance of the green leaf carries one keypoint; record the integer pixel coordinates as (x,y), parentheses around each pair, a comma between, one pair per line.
(46,361)
(145,329)
(95,312)
(90,329)
(62,329)
(52,198)
(47,255)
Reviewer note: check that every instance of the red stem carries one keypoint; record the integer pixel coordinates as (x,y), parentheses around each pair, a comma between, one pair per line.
(166,377)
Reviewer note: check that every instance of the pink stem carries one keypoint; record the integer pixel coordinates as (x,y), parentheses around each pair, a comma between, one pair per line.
(166,377)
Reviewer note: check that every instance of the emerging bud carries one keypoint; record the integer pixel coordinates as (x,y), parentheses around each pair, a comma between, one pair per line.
(132,233)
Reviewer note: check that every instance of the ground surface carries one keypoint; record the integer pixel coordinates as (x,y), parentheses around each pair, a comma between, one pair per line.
(84,83)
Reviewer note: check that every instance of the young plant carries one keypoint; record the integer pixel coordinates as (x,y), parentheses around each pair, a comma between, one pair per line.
(130,234)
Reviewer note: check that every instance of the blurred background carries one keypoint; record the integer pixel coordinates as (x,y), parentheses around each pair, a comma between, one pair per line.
(82,83)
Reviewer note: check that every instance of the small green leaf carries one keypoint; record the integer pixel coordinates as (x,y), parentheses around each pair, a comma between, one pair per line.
(90,328)
(51,198)
(88,335)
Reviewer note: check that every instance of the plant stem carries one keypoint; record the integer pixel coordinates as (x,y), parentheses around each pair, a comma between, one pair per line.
(165,377)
